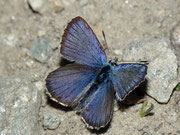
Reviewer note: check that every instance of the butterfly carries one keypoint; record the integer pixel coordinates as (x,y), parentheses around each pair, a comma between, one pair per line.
(91,83)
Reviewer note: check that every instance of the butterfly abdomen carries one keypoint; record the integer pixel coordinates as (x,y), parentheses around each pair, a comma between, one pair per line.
(102,76)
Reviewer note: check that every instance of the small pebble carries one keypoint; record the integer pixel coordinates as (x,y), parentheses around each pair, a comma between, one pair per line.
(41,49)
(51,120)
(36,5)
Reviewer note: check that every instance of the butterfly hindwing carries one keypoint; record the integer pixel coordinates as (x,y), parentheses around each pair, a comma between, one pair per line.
(126,77)
(67,84)
(80,44)
(98,111)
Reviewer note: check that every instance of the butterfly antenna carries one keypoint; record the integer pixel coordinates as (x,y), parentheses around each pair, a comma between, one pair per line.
(144,62)
(140,62)
(105,44)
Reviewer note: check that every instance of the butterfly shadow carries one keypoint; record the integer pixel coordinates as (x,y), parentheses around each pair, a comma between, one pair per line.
(135,97)
(64,62)
(101,130)
(57,105)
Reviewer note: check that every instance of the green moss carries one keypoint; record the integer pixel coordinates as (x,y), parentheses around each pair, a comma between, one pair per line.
(144,112)
(178,87)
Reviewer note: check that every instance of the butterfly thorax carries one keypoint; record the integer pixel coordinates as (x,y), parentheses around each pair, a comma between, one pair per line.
(105,71)
(103,74)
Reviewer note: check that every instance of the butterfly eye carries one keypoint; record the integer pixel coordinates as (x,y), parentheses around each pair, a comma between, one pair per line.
(114,62)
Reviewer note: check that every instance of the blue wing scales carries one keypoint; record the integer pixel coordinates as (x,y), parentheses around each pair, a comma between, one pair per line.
(77,84)
(98,111)
(126,77)
(67,84)
(80,44)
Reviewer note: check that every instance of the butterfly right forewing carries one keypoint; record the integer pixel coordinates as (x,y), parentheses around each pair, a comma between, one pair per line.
(126,77)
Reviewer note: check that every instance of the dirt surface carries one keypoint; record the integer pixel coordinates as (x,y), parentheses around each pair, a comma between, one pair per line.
(123,21)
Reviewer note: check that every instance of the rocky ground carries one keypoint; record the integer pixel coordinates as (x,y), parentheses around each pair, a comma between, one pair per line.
(30,34)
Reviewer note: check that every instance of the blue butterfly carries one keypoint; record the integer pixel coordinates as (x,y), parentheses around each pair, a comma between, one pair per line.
(91,83)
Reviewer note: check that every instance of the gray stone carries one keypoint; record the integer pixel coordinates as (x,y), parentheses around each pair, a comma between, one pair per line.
(41,49)
(51,120)
(175,40)
(162,68)
(19,106)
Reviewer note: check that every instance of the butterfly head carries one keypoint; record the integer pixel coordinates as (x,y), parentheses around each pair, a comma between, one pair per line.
(113,62)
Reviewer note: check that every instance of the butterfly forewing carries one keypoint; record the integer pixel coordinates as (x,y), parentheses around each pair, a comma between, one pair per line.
(67,84)
(126,77)
(80,44)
